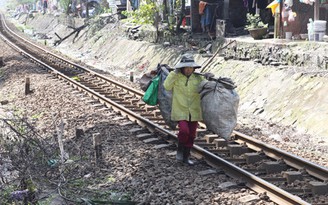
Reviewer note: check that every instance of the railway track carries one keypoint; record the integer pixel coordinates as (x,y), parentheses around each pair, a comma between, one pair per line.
(285,178)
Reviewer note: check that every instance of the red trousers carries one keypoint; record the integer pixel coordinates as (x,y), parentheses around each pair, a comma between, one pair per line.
(187,133)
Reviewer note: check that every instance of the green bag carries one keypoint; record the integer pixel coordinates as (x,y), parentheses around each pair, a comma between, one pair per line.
(150,96)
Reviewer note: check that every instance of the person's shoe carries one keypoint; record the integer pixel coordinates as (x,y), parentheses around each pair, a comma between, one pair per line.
(179,155)
(186,155)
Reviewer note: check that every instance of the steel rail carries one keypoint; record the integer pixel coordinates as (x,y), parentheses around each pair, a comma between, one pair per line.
(276,194)
(290,159)
(73,63)
(117,107)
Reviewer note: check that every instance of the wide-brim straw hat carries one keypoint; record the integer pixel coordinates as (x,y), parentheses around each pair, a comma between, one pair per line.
(187,60)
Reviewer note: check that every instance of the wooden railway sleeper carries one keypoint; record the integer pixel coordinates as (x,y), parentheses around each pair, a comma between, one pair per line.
(97,81)
(126,97)
(85,83)
(130,106)
(101,84)
(123,93)
(115,89)
(113,98)
(101,92)
(156,112)
(162,123)
(134,101)
(150,108)
(137,110)
(83,75)
(155,118)
(141,103)
(235,160)
(93,87)
(125,103)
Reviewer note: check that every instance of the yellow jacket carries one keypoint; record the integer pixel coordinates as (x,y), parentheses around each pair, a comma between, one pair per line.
(185,96)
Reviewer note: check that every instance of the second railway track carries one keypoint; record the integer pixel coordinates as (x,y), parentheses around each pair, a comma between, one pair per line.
(285,178)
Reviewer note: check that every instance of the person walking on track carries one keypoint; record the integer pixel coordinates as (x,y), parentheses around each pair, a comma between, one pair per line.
(186,103)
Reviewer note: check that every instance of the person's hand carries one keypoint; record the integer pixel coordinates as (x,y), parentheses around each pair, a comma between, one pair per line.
(208,76)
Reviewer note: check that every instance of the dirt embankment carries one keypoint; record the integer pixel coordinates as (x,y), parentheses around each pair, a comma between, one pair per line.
(287,95)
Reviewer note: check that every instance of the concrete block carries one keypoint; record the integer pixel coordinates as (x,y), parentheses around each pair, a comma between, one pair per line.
(207,172)
(144,136)
(79,132)
(253,158)
(210,138)
(150,108)
(236,149)
(172,153)
(200,131)
(319,188)
(156,113)
(151,141)
(220,142)
(249,198)
(274,167)
(291,176)
(127,123)
(227,185)
(135,130)
(160,146)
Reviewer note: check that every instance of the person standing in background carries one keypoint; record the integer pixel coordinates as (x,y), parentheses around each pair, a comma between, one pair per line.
(45,6)
(205,16)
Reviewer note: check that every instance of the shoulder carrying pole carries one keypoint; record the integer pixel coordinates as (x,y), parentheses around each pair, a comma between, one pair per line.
(206,63)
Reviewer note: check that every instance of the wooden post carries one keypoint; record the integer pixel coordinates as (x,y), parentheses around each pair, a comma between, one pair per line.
(281,29)
(277,23)
(97,147)
(60,132)
(87,9)
(27,86)
(79,133)
(131,76)
(1,62)
(316,9)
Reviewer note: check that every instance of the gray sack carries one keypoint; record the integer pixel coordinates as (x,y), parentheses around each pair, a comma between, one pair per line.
(219,107)
(165,97)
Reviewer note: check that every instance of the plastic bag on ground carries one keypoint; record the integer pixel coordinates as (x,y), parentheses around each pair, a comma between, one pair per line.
(219,107)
